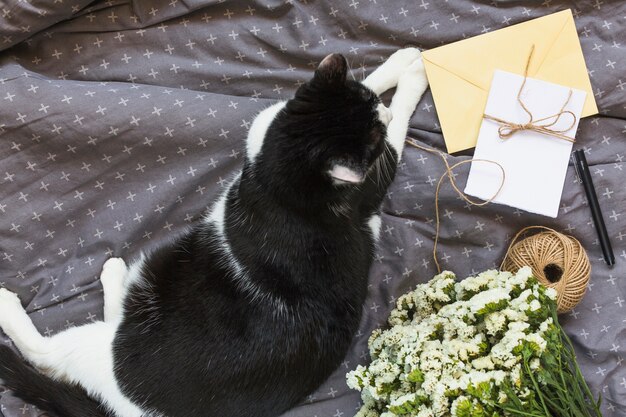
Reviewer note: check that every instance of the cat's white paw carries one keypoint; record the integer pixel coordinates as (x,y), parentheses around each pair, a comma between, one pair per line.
(403,58)
(414,76)
(7,298)
(113,271)
(114,264)
(386,76)
(10,305)
(411,86)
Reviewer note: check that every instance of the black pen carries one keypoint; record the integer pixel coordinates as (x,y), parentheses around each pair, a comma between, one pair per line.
(582,169)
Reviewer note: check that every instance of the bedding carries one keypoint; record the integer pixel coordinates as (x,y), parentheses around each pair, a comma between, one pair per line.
(121,121)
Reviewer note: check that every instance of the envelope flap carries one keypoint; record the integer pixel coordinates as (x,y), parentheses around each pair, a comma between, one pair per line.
(474,59)
(464,104)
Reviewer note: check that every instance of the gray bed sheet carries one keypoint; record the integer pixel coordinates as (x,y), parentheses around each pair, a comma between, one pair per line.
(120,121)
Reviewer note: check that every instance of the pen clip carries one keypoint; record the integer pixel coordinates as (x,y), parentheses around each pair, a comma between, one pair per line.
(578,164)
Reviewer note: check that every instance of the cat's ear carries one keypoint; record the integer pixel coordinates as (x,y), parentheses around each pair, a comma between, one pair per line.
(332,70)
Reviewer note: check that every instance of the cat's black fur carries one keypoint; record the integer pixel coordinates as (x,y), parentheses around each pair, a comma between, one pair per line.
(199,339)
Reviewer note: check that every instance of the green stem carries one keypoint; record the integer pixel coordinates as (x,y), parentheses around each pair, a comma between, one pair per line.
(521,413)
(536,385)
(581,384)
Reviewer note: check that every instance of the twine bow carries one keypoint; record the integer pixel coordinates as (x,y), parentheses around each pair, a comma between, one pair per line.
(508,129)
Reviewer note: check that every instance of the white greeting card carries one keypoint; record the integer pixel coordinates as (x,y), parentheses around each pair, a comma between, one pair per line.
(535,163)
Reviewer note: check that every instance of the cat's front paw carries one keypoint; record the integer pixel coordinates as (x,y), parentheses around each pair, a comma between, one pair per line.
(113,272)
(386,76)
(411,86)
(114,264)
(10,305)
(7,298)
(414,76)
(403,58)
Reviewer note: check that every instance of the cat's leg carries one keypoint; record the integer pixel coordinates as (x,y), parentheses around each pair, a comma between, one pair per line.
(81,355)
(113,276)
(411,86)
(84,355)
(387,75)
(16,324)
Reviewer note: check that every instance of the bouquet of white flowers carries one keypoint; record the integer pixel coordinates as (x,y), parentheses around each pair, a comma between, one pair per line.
(487,346)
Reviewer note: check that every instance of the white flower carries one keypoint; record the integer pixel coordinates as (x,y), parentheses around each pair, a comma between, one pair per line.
(425,412)
(518,326)
(484,362)
(492,296)
(401,400)
(522,276)
(495,322)
(534,364)
(535,305)
(475,284)
(502,397)
(455,404)
(543,327)
(354,379)
(538,340)
(366,412)
(551,293)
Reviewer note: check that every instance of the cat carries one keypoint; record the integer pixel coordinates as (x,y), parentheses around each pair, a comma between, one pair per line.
(255,305)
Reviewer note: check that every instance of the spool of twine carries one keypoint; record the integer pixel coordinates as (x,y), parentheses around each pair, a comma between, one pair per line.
(558,261)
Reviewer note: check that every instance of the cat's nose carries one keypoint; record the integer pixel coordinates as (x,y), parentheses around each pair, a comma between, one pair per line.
(384,114)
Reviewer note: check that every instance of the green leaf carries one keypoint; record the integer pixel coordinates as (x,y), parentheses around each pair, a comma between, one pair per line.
(416,376)
(493,307)
(464,408)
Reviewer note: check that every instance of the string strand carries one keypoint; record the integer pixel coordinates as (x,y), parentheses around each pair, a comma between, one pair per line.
(449,172)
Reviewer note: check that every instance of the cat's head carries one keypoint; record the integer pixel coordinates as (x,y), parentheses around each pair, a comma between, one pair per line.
(331,132)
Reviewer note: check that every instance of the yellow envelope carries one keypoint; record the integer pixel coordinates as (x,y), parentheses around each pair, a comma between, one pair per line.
(460,73)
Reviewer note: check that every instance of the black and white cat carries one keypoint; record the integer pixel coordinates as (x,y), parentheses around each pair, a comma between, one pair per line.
(256,305)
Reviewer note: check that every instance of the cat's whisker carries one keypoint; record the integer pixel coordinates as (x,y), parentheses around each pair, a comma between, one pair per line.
(390,174)
(375,167)
(379,162)
(384,165)
(350,70)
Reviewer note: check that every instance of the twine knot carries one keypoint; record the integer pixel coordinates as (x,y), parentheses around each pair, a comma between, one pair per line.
(510,128)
